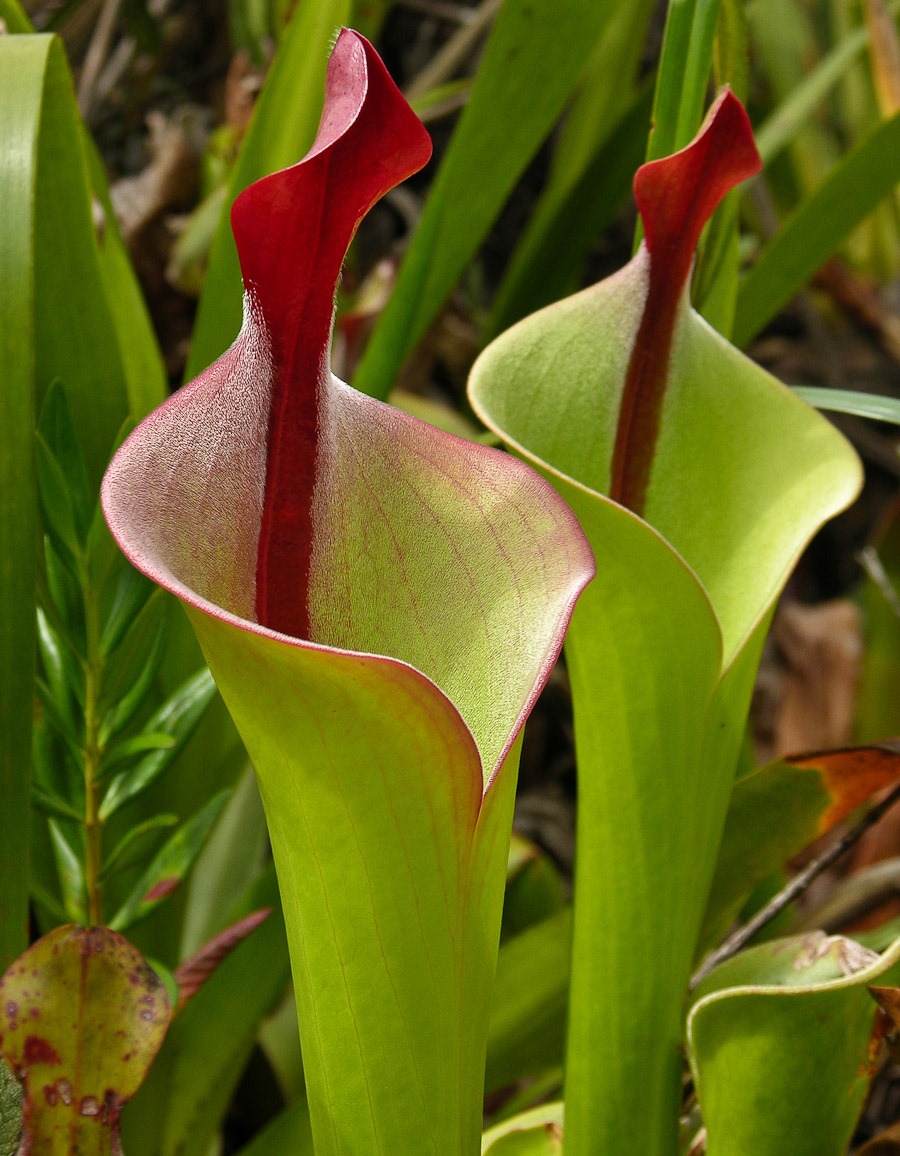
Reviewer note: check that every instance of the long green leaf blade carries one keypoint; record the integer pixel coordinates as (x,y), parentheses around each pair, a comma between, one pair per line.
(215,1033)
(528,71)
(21,80)
(871,405)
(142,361)
(683,76)
(284,124)
(812,233)
(780,128)
(546,262)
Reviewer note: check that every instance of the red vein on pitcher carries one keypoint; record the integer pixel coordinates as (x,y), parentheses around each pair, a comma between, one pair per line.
(372,138)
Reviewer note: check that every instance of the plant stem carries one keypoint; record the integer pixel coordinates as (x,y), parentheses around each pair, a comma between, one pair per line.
(92,757)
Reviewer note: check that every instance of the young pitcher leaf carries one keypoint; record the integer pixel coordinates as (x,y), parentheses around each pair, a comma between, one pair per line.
(82,1016)
(698,479)
(780,1044)
(380,603)
(535,1133)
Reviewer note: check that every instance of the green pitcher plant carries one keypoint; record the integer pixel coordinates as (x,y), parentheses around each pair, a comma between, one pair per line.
(698,479)
(380,604)
(781,1044)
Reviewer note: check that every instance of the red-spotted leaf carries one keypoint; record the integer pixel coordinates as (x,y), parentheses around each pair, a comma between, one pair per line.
(698,479)
(380,603)
(82,1016)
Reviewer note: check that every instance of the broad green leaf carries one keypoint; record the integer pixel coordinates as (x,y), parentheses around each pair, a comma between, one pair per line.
(779,1043)
(535,1133)
(139,349)
(529,69)
(283,126)
(624,390)
(82,1016)
(380,603)
(820,224)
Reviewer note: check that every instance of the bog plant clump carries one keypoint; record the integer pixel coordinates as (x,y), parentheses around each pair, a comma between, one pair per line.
(263,694)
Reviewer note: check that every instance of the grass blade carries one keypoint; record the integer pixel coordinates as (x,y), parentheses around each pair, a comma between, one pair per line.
(870,405)
(780,128)
(21,75)
(283,127)
(811,234)
(530,66)
(683,75)
(547,261)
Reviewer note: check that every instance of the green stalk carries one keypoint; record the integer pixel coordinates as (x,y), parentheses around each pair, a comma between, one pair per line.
(92,762)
